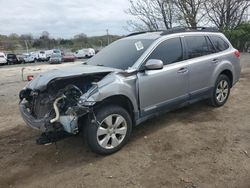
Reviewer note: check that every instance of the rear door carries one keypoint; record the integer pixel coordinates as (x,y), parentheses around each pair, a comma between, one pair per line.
(166,87)
(200,60)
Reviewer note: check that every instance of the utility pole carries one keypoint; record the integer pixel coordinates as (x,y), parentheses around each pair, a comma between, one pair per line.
(27,49)
(100,42)
(107,35)
(248,14)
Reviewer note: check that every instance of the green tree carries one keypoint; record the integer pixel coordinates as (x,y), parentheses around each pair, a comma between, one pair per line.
(240,36)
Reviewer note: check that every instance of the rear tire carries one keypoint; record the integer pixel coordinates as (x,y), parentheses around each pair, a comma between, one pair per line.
(221,91)
(111,132)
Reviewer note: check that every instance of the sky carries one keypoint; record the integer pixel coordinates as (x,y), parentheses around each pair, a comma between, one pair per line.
(63,18)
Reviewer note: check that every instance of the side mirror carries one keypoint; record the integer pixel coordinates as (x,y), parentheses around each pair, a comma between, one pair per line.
(154,64)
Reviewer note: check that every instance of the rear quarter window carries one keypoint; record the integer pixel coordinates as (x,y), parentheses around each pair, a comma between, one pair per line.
(219,44)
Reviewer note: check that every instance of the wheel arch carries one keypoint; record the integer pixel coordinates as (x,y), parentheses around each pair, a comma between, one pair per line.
(229,74)
(225,68)
(120,100)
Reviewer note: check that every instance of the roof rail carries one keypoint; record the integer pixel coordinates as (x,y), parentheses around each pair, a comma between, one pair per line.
(136,33)
(189,29)
(142,32)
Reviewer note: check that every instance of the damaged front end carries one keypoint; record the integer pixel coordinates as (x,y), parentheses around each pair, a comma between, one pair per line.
(58,106)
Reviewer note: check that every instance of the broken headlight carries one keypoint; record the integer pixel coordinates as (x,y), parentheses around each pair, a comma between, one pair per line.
(84,99)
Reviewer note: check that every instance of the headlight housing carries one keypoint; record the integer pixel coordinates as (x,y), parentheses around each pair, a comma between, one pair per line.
(85,99)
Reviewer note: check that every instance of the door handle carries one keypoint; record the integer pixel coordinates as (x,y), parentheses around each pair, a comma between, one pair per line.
(215,61)
(182,70)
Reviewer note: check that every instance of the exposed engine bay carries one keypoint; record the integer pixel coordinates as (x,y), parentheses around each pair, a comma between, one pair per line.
(57,108)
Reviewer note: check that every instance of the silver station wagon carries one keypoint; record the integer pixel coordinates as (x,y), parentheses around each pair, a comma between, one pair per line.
(128,82)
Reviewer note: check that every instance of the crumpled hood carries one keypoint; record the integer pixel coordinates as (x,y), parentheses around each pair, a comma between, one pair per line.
(40,82)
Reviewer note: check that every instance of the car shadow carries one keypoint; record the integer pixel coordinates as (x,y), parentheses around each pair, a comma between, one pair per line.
(198,112)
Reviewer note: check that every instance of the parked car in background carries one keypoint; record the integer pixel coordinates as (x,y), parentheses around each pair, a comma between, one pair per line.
(3,59)
(49,53)
(35,55)
(85,53)
(28,58)
(12,59)
(20,58)
(42,56)
(69,57)
(55,58)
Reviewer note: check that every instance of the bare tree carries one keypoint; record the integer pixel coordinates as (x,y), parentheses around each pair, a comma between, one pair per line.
(190,11)
(152,14)
(163,14)
(227,13)
(167,12)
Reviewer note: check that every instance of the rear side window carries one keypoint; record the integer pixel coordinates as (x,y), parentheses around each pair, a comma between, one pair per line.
(169,51)
(219,43)
(198,46)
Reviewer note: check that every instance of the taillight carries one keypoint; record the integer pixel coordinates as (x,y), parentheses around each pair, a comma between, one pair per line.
(237,53)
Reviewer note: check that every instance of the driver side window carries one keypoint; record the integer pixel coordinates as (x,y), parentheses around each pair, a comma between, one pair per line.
(169,51)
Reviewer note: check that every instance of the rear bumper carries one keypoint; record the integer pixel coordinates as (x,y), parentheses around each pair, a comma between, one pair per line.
(38,124)
(68,59)
(54,61)
(237,73)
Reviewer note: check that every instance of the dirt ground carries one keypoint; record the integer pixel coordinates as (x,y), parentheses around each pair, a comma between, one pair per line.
(197,146)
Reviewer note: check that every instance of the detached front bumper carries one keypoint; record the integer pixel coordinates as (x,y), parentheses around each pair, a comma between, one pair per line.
(38,124)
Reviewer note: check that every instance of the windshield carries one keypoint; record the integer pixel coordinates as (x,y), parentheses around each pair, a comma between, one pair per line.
(121,54)
(56,55)
(56,51)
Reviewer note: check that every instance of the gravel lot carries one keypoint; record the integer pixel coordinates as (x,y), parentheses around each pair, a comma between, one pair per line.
(197,146)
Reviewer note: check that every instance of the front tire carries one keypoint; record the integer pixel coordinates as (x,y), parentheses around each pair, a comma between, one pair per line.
(110,132)
(221,91)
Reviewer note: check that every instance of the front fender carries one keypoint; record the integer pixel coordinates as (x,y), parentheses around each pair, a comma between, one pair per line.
(115,84)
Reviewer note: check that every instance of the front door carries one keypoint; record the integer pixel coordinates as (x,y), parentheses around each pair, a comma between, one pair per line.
(166,87)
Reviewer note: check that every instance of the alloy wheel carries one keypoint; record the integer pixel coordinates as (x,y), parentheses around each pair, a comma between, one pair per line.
(222,91)
(112,131)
